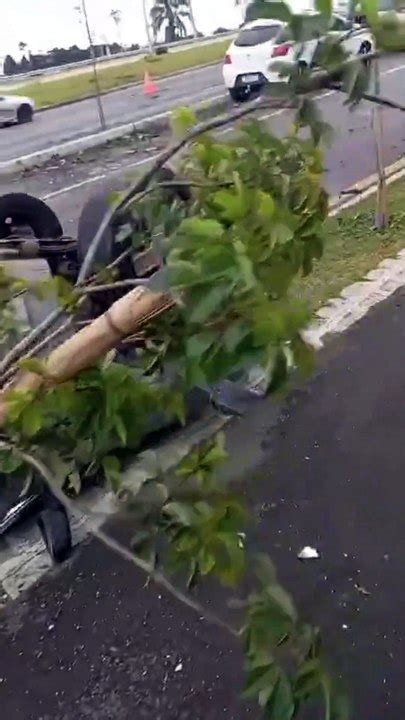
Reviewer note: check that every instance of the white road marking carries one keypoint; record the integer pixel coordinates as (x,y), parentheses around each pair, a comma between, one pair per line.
(395,69)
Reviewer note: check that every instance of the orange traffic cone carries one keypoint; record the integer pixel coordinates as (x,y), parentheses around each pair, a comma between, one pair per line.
(150,89)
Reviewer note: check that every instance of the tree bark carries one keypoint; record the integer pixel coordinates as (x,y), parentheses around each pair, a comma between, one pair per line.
(84,349)
(192,18)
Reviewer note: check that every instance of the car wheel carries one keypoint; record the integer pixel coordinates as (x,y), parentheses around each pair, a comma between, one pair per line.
(24,114)
(54,526)
(109,249)
(240,95)
(365,49)
(18,210)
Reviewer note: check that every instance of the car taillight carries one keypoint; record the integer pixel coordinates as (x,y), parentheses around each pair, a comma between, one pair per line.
(228,60)
(281,50)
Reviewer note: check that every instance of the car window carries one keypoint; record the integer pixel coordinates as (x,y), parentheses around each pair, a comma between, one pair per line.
(256,35)
(339,24)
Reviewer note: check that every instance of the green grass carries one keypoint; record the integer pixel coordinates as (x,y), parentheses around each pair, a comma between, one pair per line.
(77,87)
(353,248)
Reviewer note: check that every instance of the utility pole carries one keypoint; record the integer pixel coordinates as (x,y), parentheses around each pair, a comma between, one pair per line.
(83,11)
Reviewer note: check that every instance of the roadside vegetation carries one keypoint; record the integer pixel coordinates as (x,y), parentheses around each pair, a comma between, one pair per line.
(76,87)
(352,248)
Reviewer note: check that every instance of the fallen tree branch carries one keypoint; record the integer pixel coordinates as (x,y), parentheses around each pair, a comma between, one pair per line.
(376,99)
(83,350)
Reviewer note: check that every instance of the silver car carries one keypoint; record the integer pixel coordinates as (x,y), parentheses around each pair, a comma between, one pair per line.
(16,109)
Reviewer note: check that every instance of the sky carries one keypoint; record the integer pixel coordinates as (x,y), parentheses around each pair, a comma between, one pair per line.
(44,24)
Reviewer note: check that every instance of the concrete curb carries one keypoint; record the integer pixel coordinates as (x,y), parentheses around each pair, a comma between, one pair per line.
(157,123)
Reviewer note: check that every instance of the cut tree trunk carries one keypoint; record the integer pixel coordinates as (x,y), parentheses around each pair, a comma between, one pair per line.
(84,349)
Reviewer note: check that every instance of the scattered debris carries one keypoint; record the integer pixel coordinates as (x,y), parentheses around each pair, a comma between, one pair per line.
(308,553)
(362,590)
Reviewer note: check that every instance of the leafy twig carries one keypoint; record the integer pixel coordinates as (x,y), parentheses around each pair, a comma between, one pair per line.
(142,184)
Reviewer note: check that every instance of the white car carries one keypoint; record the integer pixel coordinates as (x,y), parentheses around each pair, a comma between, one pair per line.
(16,109)
(247,65)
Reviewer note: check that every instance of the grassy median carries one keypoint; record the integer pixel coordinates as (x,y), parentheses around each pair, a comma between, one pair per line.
(76,87)
(353,248)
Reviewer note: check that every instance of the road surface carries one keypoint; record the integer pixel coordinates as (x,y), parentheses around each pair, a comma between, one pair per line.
(58,125)
(73,121)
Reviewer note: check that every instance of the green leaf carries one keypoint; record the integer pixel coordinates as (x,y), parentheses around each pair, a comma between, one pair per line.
(197,345)
(180,513)
(9,461)
(32,420)
(206,562)
(232,205)
(266,206)
(121,429)
(308,679)
(234,335)
(216,454)
(370,9)
(281,705)
(202,228)
(112,469)
(210,304)
(183,120)
(261,683)
(324,7)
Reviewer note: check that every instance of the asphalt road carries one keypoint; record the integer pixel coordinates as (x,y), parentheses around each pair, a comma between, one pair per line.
(57,125)
(325,469)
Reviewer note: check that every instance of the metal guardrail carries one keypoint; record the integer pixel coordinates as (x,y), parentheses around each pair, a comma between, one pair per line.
(105,59)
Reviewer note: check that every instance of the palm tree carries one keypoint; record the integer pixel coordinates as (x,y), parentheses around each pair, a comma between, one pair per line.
(192,19)
(116,16)
(171,14)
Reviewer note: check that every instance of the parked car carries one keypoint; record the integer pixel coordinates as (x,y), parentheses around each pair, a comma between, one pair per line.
(247,66)
(16,109)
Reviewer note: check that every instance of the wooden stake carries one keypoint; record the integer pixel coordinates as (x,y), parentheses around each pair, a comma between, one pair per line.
(381,212)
